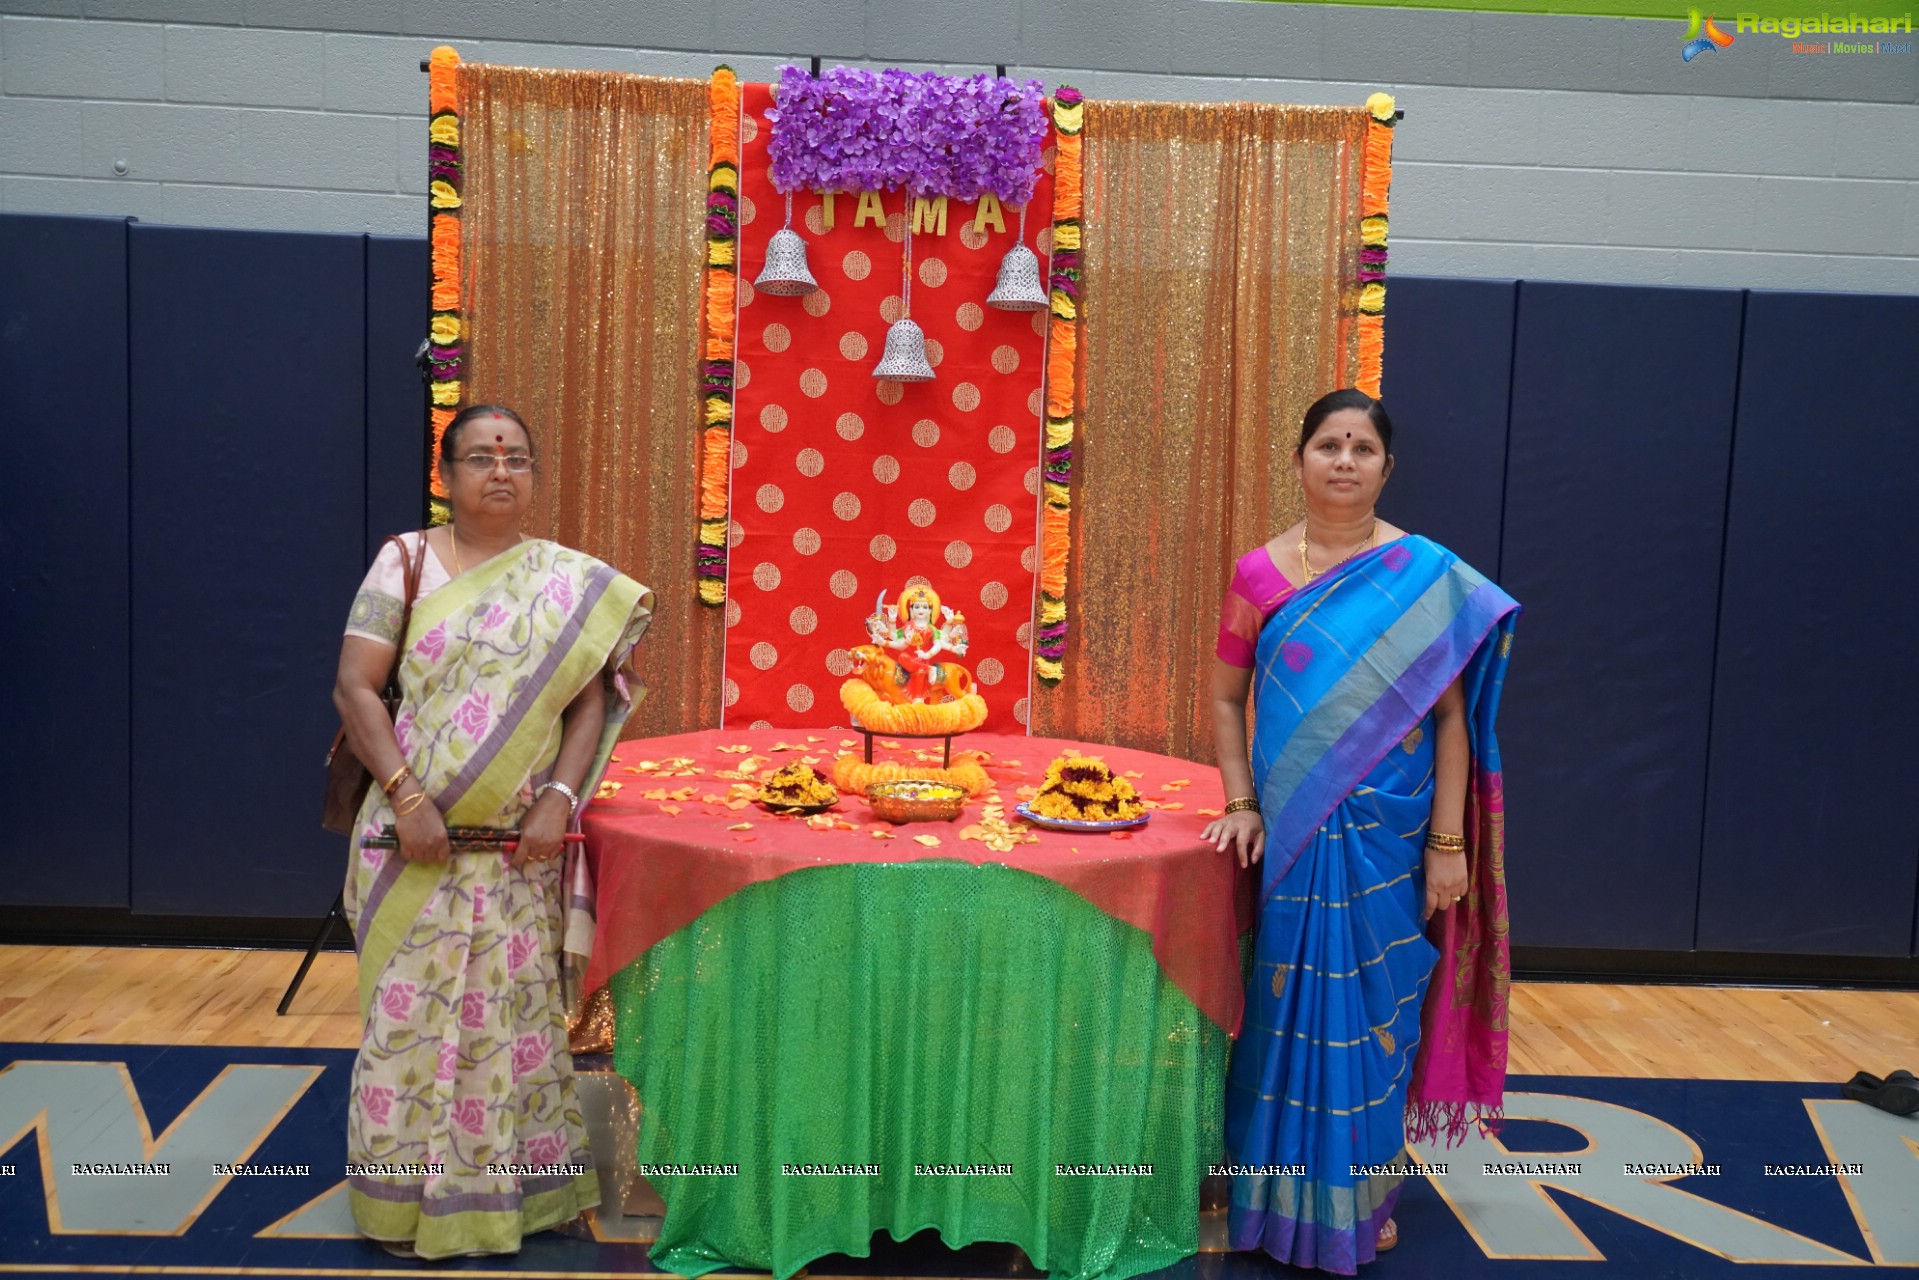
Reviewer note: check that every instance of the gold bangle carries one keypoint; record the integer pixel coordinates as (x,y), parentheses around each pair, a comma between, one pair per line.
(1243,804)
(409,804)
(400,775)
(1445,843)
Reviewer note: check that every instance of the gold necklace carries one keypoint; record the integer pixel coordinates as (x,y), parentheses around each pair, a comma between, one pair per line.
(1305,565)
(518,538)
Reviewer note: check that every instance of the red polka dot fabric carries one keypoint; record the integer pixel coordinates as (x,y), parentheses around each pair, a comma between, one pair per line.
(845,486)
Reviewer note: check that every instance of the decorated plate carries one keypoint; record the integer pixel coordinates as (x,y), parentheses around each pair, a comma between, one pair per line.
(1072,824)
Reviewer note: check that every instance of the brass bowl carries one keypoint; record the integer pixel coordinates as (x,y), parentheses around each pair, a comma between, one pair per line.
(916,801)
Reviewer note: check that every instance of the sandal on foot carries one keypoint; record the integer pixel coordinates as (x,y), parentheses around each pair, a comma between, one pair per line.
(398,1248)
(1388,1237)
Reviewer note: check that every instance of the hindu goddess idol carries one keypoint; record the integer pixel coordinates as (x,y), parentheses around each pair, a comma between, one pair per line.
(906,679)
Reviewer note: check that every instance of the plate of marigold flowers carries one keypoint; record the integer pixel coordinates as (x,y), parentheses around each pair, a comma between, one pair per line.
(1081,794)
(798,788)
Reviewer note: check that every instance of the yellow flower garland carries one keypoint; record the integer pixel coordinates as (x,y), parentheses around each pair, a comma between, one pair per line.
(1370,299)
(445,355)
(716,353)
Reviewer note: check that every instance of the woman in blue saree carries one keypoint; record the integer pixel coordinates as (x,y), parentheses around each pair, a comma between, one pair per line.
(1371,790)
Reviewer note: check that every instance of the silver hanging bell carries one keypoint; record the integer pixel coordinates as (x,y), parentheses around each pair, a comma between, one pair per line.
(785,274)
(1018,288)
(904,359)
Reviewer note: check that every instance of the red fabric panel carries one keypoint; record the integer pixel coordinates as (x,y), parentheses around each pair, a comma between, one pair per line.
(655,872)
(844,486)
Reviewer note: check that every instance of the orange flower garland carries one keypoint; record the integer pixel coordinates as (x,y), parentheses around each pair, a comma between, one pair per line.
(1376,180)
(445,339)
(1049,648)
(875,713)
(716,356)
(851,774)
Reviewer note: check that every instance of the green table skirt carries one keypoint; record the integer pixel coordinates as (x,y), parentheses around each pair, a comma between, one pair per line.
(912,1015)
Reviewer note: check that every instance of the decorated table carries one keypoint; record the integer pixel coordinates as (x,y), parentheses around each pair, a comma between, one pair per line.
(837,1025)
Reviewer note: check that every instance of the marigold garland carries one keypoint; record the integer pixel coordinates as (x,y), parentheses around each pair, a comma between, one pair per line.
(851,774)
(1063,301)
(445,351)
(1374,184)
(716,355)
(876,714)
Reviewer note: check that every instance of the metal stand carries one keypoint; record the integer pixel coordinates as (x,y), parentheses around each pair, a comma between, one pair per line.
(946,760)
(336,914)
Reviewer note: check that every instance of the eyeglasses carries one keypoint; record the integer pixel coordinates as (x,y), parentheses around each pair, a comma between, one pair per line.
(482,464)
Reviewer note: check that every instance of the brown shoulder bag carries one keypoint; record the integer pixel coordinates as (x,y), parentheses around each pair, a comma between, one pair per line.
(347,780)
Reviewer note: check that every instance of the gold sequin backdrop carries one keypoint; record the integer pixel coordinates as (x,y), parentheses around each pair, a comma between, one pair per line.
(1220,244)
(582,244)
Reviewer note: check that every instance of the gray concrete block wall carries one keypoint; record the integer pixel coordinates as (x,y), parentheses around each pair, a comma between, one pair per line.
(1534,147)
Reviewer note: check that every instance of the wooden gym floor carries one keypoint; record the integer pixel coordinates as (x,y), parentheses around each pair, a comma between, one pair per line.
(151,995)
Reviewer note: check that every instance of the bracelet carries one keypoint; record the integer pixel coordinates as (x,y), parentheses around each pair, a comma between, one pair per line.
(400,775)
(1445,843)
(1243,804)
(572,796)
(409,804)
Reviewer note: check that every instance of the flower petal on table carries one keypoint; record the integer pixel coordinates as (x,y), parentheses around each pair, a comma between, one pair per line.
(1178,783)
(739,749)
(882,835)
(1119,835)
(1133,773)
(741,826)
(1211,813)
(670,810)
(931,842)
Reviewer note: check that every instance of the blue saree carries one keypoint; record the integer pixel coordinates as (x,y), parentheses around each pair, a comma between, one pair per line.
(1339,1025)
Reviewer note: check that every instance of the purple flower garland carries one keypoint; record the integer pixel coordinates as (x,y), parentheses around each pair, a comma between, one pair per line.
(856,130)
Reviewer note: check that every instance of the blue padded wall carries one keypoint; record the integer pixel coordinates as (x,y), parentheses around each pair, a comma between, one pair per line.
(1448,374)
(1812,842)
(249,520)
(63,548)
(398,278)
(1622,413)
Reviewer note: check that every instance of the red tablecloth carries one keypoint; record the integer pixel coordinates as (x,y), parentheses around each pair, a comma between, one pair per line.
(655,871)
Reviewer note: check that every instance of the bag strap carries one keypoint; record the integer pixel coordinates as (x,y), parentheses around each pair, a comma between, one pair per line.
(414,568)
